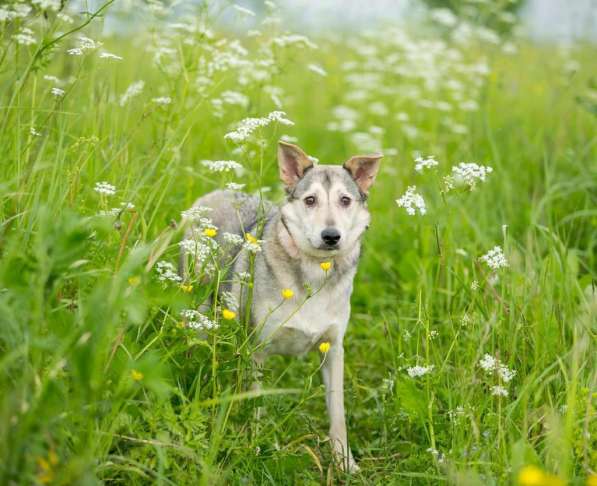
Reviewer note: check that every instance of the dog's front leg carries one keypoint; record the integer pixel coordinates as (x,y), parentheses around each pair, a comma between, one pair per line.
(333,379)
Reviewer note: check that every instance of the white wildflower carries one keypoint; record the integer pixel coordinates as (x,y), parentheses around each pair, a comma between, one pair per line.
(221,165)
(34,132)
(412,201)
(247,126)
(235,98)
(133,90)
(234,186)
(505,373)
(75,51)
(495,258)
(470,173)
(57,92)
(53,5)
(25,37)
(65,17)
(167,272)
(105,188)
(418,371)
(499,390)
(162,100)
(317,69)
(488,363)
(195,213)
(195,320)
(52,79)
(109,55)
(425,163)
(233,239)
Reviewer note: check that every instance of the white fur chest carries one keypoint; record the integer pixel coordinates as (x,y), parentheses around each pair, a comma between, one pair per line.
(297,325)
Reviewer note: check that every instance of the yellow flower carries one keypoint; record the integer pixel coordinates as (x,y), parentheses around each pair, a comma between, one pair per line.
(228,314)
(186,288)
(531,476)
(592,480)
(287,293)
(250,238)
(136,375)
(210,232)
(134,281)
(324,347)
(325,266)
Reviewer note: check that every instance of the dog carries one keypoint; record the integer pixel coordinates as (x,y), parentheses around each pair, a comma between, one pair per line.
(321,222)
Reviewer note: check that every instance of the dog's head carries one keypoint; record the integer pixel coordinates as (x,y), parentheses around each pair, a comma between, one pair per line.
(326,212)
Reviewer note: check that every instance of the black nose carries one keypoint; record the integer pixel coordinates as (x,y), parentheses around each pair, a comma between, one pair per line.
(330,236)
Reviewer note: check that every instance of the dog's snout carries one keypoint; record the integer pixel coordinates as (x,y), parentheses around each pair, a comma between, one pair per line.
(330,236)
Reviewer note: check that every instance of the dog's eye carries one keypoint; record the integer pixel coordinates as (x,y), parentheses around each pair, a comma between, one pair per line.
(310,200)
(345,201)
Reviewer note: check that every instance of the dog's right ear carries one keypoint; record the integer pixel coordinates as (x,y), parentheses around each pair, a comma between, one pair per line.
(293,163)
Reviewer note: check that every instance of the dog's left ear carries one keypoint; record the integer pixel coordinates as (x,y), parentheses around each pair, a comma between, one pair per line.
(293,163)
(363,169)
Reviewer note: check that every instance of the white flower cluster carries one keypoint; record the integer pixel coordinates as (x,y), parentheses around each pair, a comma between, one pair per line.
(85,44)
(162,100)
(221,165)
(232,239)
(24,37)
(317,69)
(109,55)
(47,4)
(495,258)
(246,127)
(199,246)
(425,163)
(197,213)
(412,201)
(14,11)
(105,188)
(470,173)
(195,320)
(57,92)
(233,186)
(133,90)
(492,365)
(293,40)
(499,391)
(418,371)
(167,272)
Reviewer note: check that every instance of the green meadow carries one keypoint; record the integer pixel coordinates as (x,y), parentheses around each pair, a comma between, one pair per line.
(459,369)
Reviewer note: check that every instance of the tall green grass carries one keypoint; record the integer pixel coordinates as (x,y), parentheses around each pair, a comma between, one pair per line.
(100,380)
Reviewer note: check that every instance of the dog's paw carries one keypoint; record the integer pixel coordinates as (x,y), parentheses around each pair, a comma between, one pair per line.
(345,462)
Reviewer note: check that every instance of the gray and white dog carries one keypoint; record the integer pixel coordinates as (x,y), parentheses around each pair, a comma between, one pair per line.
(322,220)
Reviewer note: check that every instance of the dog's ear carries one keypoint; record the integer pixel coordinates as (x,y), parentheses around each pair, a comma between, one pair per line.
(363,169)
(293,163)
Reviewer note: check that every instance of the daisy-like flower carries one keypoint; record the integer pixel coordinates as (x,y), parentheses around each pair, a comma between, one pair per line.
(470,173)
(418,371)
(221,165)
(105,188)
(412,202)
(495,258)
(422,163)
(57,92)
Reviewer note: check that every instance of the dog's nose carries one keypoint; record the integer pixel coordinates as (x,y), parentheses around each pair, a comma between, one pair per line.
(330,236)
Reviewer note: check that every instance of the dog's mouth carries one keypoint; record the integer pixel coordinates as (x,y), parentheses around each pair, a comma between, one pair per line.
(330,248)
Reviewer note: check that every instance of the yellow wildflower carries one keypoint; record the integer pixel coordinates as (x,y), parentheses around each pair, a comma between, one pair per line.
(210,232)
(250,238)
(287,293)
(324,347)
(186,288)
(325,266)
(134,281)
(136,375)
(531,476)
(228,314)
(592,480)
